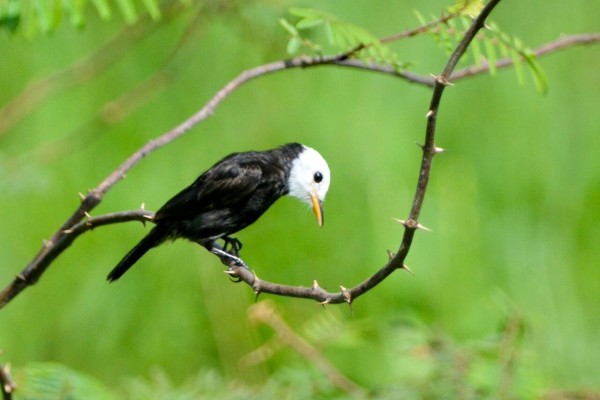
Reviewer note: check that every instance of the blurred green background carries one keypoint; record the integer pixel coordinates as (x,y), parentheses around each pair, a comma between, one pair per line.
(514,207)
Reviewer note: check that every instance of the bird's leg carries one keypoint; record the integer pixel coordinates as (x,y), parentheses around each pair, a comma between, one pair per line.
(226,256)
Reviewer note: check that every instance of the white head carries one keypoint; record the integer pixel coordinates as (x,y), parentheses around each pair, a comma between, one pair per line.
(309,180)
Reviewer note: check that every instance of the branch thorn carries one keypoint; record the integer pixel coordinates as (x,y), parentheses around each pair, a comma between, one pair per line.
(315,284)
(422,146)
(81,197)
(439,150)
(21,277)
(442,80)
(143,207)
(390,254)
(256,286)
(325,302)
(429,113)
(346,295)
(423,228)
(401,221)
(405,267)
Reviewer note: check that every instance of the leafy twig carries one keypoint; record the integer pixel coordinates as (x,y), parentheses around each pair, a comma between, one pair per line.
(545,49)
(265,313)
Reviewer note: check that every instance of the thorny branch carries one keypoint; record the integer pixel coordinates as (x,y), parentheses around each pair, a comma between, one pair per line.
(8,385)
(396,261)
(80,221)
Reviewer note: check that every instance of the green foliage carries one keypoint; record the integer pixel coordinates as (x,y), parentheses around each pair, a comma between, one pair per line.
(417,363)
(51,381)
(45,16)
(341,36)
(467,7)
(345,37)
(493,40)
(520,54)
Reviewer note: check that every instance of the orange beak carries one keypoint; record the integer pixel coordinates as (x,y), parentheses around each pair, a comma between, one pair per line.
(317,207)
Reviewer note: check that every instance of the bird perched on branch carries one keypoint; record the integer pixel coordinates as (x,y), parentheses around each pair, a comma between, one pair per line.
(233,194)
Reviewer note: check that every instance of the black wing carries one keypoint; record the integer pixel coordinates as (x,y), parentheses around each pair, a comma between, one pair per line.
(230,182)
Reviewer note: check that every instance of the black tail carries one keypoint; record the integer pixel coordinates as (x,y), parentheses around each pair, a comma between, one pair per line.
(155,237)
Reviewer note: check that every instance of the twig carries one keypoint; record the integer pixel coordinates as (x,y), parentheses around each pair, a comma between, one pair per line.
(265,313)
(507,353)
(53,249)
(8,385)
(545,49)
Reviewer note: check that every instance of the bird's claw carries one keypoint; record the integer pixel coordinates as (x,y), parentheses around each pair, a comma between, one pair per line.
(232,246)
(225,257)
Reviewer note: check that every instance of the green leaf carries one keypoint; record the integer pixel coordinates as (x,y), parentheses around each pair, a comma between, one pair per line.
(43,381)
(516,57)
(43,14)
(153,9)
(10,16)
(75,11)
(288,27)
(490,51)
(128,10)
(305,12)
(293,44)
(329,32)
(103,9)
(308,23)
(476,49)
(539,76)
(420,17)
(338,36)
(467,7)
(446,41)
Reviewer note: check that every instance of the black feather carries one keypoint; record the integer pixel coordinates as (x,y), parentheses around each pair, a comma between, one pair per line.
(156,236)
(228,197)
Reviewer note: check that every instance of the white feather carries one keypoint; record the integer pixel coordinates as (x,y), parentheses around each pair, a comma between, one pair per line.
(302,176)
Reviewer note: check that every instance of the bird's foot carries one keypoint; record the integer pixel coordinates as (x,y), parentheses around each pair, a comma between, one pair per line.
(232,245)
(226,257)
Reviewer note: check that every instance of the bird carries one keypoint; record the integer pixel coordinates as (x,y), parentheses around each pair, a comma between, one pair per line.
(233,194)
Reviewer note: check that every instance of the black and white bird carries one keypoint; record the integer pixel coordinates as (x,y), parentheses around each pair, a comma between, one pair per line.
(233,194)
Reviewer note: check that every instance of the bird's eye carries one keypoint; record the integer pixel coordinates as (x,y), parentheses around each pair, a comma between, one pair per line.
(318,177)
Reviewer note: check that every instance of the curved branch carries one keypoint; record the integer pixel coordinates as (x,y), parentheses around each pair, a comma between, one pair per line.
(411,224)
(52,249)
(76,223)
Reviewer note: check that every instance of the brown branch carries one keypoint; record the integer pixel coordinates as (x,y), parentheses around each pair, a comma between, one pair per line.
(411,224)
(265,313)
(8,385)
(52,249)
(49,252)
(545,49)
